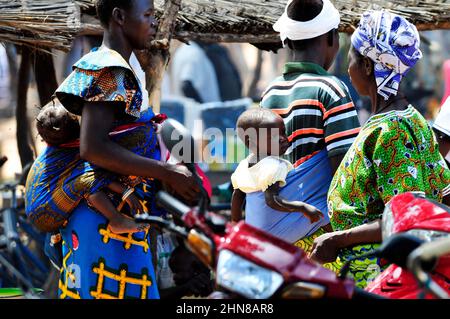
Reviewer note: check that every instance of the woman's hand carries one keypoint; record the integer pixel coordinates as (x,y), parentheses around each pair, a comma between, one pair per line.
(181,180)
(326,247)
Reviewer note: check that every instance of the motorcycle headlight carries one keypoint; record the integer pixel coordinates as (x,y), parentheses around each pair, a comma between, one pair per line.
(246,278)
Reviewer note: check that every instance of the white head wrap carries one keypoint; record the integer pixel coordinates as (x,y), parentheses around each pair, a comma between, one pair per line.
(442,122)
(328,19)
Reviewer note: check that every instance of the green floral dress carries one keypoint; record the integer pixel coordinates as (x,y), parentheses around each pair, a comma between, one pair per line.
(395,152)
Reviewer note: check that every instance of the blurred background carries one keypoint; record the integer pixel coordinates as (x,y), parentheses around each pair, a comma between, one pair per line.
(210,85)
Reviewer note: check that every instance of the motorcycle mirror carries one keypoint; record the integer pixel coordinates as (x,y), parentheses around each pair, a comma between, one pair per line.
(397,248)
(181,145)
(178,141)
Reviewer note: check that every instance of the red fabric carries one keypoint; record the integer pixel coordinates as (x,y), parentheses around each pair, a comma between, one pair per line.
(119,129)
(159,118)
(446,77)
(205,179)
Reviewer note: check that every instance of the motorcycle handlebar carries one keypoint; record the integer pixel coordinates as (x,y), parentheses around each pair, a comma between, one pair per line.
(171,204)
(427,253)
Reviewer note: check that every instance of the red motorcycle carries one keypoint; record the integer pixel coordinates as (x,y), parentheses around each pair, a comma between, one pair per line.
(429,222)
(248,262)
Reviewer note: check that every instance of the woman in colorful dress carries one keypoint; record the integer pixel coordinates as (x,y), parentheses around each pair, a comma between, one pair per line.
(395,152)
(104,90)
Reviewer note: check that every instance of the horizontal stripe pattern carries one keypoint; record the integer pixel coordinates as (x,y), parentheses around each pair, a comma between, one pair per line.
(307,78)
(336,109)
(305,131)
(318,112)
(346,142)
(341,135)
(301,141)
(298,104)
(343,116)
(446,191)
(299,85)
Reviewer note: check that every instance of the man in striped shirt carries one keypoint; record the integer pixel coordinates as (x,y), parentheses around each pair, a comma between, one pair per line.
(320,118)
(317,108)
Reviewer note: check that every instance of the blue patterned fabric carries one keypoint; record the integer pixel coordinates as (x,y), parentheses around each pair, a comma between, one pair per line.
(96,262)
(392,43)
(101,75)
(101,265)
(307,183)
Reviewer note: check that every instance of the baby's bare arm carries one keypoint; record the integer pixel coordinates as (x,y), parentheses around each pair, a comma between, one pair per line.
(237,201)
(276,202)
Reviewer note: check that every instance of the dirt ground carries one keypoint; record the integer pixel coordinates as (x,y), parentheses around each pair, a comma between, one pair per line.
(8,142)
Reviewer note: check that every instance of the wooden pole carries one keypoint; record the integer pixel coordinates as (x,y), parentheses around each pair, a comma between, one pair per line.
(155,59)
(45,75)
(23,127)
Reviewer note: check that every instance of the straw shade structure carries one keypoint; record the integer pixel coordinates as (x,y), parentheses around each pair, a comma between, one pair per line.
(54,23)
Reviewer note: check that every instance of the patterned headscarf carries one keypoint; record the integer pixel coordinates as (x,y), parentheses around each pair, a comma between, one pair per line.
(392,43)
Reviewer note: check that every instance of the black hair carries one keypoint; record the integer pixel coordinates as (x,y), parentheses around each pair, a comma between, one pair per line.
(105,8)
(306,10)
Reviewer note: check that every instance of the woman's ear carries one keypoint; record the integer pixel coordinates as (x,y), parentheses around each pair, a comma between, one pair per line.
(368,66)
(118,16)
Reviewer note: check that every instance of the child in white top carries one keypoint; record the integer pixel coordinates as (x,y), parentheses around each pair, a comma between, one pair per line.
(264,134)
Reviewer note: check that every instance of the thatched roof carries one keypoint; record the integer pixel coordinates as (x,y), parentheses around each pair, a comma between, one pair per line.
(53,23)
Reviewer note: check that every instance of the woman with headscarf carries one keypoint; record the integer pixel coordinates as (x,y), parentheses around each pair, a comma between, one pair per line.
(395,151)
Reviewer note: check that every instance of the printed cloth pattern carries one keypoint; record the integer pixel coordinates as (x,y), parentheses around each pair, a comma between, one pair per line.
(98,263)
(395,152)
(392,43)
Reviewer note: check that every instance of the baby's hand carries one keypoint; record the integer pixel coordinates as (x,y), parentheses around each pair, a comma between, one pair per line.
(312,213)
(134,204)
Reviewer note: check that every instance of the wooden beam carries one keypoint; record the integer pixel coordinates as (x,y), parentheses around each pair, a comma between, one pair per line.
(155,59)
(443,25)
(185,36)
(227,37)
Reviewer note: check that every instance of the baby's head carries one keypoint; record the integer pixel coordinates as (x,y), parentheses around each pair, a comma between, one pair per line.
(263,132)
(56,125)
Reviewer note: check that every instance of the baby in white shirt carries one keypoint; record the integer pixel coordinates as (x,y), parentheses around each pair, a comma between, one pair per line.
(264,134)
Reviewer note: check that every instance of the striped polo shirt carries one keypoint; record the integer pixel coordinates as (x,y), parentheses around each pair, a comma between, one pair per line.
(317,110)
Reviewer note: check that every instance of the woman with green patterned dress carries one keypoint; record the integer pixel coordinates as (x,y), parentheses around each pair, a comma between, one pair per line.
(395,151)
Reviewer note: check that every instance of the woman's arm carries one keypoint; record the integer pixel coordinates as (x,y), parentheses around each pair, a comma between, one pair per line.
(97,148)
(237,201)
(276,202)
(327,246)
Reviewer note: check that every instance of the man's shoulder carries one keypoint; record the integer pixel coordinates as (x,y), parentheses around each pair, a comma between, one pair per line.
(329,83)
(309,83)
